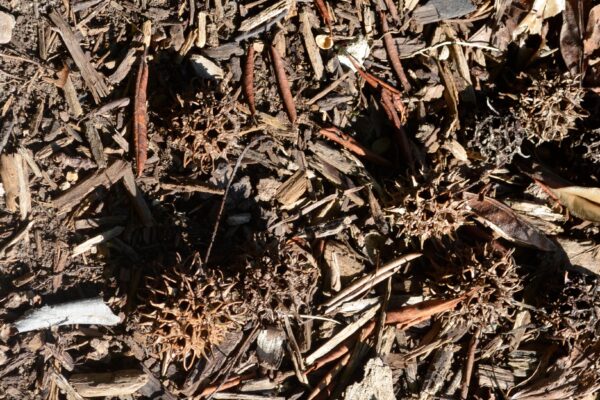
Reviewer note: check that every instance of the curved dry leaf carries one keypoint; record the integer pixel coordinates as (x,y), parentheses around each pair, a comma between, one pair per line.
(504,221)
(570,39)
(582,202)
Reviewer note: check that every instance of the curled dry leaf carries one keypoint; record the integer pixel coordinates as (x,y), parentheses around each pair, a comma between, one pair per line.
(140,109)
(582,202)
(591,49)
(248,82)
(284,84)
(504,221)
(570,38)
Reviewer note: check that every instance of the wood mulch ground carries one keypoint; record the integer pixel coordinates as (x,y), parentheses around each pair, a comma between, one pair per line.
(285,199)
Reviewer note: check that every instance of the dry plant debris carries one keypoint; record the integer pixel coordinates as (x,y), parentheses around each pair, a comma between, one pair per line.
(299,199)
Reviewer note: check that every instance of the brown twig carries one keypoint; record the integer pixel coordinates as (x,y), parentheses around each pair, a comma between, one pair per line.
(248,82)
(324,11)
(393,10)
(464,392)
(284,84)
(140,109)
(354,146)
(323,387)
(403,318)
(392,52)
(371,79)
(235,381)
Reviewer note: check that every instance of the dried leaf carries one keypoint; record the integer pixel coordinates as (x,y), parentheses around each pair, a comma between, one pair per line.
(284,84)
(503,220)
(583,202)
(570,38)
(248,80)
(591,49)
(540,10)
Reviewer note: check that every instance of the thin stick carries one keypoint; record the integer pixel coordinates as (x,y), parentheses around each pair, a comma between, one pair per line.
(392,52)
(222,207)
(478,45)
(464,392)
(354,146)
(329,88)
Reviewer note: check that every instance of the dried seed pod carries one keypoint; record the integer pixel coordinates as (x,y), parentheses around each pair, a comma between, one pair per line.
(185,315)
(284,84)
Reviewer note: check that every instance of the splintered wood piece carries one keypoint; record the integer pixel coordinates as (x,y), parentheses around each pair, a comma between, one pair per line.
(95,144)
(87,312)
(140,110)
(64,385)
(15,178)
(311,46)
(109,384)
(136,196)
(284,84)
(266,15)
(392,52)
(71,97)
(106,178)
(101,238)
(353,145)
(92,78)
(293,188)
(16,238)
(248,80)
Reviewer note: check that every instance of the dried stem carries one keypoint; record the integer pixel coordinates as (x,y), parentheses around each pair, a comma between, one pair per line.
(284,84)
(392,52)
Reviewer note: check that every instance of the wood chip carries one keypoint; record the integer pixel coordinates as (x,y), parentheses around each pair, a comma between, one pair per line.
(92,78)
(109,384)
(106,178)
(311,46)
(101,238)
(91,133)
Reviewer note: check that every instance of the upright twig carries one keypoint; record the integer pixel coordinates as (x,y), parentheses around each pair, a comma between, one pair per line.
(464,392)
(324,11)
(392,52)
(284,84)
(140,109)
